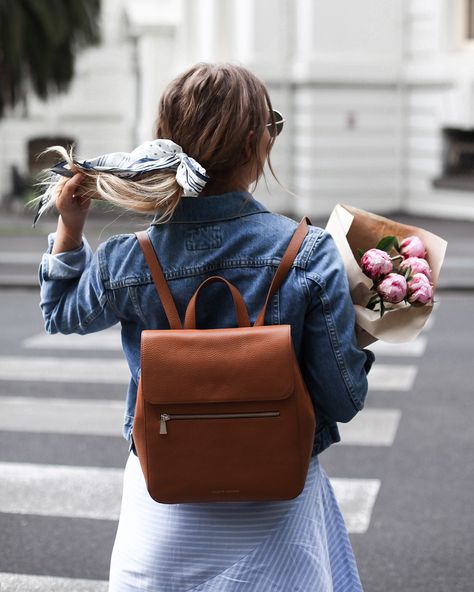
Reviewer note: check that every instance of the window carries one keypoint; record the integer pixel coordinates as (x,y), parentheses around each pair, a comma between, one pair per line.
(458,160)
(470,20)
(36,145)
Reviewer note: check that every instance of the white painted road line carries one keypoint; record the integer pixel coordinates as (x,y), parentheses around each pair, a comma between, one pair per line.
(110,340)
(391,377)
(10,582)
(55,490)
(74,370)
(23,258)
(458,263)
(102,340)
(371,427)
(415,348)
(61,416)
(356,497)
(89,492)
(17,368)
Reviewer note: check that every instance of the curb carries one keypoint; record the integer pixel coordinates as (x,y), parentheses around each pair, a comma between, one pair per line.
(18,282)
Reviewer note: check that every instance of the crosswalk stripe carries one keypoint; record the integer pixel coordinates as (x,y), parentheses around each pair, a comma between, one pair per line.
(392,377)
(110,340)
(415,348)
(61,416)
(356,498)
(56,490)
(64,370)
(20,258)
(10,582)
(103,340)
(371,427)
(89,492)
(381,377)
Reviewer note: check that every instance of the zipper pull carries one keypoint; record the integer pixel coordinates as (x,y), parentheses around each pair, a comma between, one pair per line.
(164,418)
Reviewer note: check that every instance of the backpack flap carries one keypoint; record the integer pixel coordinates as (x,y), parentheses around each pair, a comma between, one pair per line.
(217,365)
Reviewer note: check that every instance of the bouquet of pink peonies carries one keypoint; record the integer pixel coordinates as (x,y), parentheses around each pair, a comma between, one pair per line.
(395,280)
(392,284)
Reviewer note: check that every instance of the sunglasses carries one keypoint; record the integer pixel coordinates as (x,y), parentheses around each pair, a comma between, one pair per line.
(275,129)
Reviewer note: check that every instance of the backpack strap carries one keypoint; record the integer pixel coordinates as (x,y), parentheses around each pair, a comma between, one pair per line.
(285,264)
(161,284)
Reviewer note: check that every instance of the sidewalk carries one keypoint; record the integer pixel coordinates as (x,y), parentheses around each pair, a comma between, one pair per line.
(21,245)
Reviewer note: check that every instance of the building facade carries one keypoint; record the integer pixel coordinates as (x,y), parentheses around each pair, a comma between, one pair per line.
(378,94)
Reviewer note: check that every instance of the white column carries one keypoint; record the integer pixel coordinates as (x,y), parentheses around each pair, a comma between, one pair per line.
(245,30)
(156,70)
(206,23)
(188,35)
(304,29)
(154,25)
(273,35)
(216,30)
(225,30)
(271,59)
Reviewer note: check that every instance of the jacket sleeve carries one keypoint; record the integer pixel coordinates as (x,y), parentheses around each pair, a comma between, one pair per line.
(334,367)
(73,298)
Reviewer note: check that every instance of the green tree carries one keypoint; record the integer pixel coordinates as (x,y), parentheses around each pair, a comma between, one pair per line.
(39,40)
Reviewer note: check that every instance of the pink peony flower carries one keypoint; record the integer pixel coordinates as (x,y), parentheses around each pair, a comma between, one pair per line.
(393,288)
(376,263)
(417,264)
(419,289)
(412,246)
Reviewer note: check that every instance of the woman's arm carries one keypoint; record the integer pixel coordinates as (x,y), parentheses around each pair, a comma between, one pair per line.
(73,295)
(335,367)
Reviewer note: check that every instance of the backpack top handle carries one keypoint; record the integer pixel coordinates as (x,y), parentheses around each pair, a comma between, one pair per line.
(167,299)
(239,304)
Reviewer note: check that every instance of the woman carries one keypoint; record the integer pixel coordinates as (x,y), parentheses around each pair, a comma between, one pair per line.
(222,127)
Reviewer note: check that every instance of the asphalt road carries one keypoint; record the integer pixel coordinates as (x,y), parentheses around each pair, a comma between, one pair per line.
(421,536)
(404,474)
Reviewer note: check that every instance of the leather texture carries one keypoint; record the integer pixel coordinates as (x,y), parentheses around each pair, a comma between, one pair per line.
(222,414)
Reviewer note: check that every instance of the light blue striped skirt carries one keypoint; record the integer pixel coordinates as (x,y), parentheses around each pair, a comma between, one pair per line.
(299,545)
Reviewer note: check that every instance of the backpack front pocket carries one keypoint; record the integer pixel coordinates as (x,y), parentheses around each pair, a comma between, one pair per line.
(165,417)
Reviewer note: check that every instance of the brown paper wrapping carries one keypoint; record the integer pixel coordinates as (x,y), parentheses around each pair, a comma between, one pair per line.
(353,229)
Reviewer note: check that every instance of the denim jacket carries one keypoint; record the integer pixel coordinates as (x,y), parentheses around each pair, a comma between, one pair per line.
(235,236)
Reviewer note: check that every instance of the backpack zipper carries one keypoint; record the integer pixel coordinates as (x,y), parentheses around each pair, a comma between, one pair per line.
(167,416)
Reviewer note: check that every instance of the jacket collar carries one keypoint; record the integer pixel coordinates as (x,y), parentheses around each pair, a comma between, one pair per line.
(211,208)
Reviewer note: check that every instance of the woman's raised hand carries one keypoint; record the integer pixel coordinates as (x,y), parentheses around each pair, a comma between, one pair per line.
(73,207)
(71,202)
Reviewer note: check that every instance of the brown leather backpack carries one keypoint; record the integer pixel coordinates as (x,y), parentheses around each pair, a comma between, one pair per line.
(222,414)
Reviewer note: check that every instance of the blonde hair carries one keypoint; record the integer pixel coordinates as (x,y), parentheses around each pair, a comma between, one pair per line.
(209,110)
